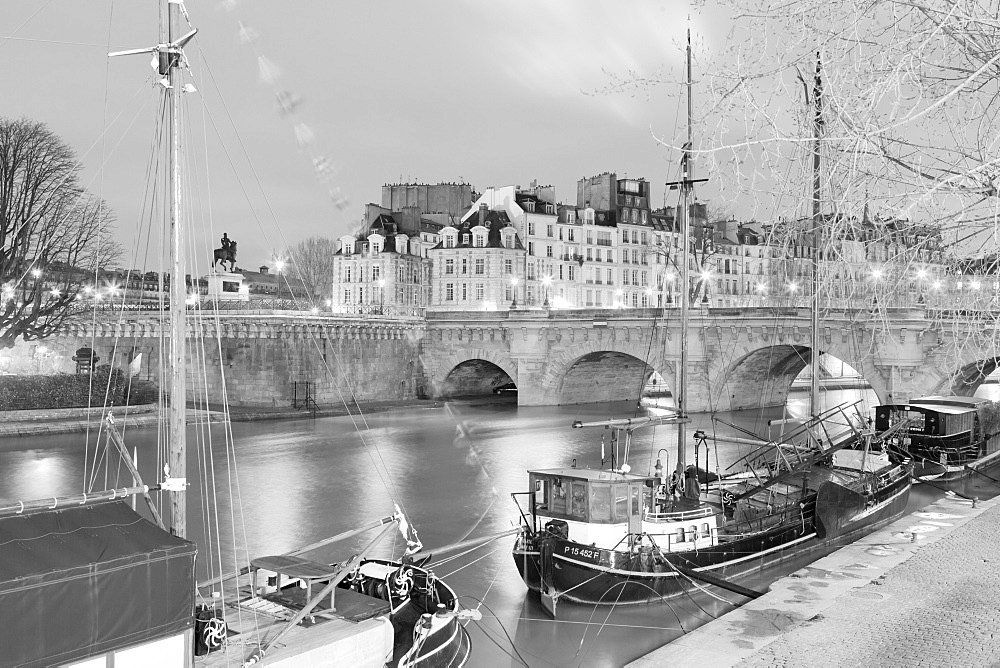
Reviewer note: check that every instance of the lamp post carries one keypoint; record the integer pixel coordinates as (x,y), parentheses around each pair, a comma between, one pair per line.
(513,286)
(381,295)
(546,282)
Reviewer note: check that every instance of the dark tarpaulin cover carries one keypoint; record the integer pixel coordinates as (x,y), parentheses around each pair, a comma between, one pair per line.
(83,580)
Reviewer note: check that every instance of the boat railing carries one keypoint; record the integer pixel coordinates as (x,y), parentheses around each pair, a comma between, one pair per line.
(679,516)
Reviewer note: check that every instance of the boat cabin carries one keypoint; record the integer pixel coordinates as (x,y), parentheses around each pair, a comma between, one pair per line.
(939,420)
(945,428)
(603,508)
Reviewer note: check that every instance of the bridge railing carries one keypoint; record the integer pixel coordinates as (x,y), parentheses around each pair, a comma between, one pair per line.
(252,304)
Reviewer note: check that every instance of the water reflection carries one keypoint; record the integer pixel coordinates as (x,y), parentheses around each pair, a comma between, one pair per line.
(452,468)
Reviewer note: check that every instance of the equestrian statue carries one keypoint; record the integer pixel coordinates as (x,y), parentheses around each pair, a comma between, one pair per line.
(226,254)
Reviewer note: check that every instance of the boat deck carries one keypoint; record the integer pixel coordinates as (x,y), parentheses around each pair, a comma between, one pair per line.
(351,635)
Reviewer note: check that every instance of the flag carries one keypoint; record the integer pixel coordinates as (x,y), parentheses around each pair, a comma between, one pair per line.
(413,544)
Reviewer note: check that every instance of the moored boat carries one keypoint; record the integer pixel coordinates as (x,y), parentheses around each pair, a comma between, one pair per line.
(948,437)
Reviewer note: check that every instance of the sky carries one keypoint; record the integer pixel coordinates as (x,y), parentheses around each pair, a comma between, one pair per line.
(487,93)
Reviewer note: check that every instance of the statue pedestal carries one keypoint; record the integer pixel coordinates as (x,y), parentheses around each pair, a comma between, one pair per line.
(224,286)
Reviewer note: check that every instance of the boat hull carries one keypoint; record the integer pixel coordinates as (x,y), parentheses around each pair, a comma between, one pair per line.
(568,571)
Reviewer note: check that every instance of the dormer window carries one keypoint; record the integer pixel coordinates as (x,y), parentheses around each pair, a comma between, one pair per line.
(529,206)
(466,239)
(549,209)
(571,217)
(588,216)
(480,240)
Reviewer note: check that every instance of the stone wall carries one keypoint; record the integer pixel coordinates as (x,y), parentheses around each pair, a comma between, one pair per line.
(254,359)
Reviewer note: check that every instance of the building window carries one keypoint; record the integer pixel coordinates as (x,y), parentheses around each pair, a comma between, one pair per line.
(347,275)
(529,206)
(531,248)
(571,217)
(508,266)
(531,227)
(548,251)
(635,256)
(569,235)
(572,272)
(449,266)
(347,296)
(625,256)
(465,265)
(480,266)
(480,240)
(560,272)
(465,239)
(549,209)
(449,241)
(376,272)
(624,236)
(465,292)
(635,236)
(610,279)
(588,216)
(635,221)
(548,230)
(449,292)
(479,292)
(531,271)
(589,256)
(625,277)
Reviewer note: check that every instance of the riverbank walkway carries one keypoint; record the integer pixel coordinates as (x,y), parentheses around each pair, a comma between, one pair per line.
(922,591)
(71,420)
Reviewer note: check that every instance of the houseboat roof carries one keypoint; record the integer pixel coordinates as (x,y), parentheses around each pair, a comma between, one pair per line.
(592,475)
(942,404)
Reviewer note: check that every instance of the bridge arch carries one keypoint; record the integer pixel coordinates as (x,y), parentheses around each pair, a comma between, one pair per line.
(602,371)
(471,371)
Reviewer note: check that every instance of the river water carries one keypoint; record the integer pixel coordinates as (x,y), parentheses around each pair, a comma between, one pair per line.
(452,467)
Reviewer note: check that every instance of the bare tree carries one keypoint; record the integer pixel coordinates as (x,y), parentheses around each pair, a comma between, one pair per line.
(53,233)
(312,264)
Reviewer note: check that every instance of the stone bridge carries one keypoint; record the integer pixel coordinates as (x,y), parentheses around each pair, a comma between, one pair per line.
(738,358)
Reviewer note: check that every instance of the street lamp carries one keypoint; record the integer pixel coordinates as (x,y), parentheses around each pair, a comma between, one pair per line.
(546,281)
(381,295)
(513,285)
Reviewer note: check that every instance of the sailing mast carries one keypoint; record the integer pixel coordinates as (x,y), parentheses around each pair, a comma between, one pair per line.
(817,227)
(687,180)
(170,55)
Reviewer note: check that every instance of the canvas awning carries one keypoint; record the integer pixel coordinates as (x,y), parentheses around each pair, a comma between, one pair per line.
(83,580)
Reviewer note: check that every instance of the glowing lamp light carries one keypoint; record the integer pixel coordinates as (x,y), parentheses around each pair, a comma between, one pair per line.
(315,310)
(192,300)
(55,292)
(279,265)
(547,280)
(792,287)
(513,281)
(974,285)
(936,285)
(922,274)
(761,287)
(876,273)
(36,272)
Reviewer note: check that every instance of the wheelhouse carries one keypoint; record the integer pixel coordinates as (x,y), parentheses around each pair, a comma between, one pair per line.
(602,508)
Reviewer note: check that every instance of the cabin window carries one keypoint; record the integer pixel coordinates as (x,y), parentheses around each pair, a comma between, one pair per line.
(600,503)
(578,501)
(559,494)
(692,533)
(679,537)
(621,503)
(540,496)
(706,532)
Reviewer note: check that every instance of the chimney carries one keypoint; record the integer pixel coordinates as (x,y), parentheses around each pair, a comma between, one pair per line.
(482,214)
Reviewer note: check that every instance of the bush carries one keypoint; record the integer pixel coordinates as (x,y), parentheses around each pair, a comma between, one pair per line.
(106,387)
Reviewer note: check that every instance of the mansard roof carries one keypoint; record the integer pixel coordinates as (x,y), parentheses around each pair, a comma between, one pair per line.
(495,222)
